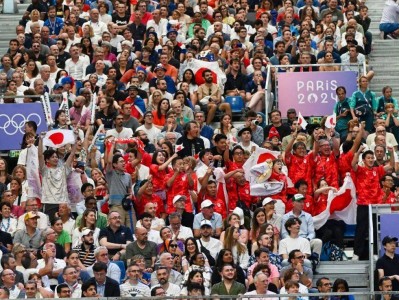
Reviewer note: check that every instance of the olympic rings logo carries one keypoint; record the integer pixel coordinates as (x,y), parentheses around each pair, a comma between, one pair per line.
(11,125)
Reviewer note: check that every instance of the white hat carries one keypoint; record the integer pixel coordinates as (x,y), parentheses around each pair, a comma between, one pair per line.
(267,200)
(239,212)
(179,197)
(86,232)
(206,203)
(206,223)
(129,43)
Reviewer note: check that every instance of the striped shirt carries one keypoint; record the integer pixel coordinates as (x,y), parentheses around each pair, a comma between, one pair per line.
(86,256)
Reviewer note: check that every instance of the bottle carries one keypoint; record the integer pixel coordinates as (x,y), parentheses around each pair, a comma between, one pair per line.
(193,150)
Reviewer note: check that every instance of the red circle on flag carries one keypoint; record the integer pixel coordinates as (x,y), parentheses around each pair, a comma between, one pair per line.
(265,156)
(200,80)
(57,138)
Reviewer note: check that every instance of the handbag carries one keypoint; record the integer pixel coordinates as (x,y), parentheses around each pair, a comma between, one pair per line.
(331,252)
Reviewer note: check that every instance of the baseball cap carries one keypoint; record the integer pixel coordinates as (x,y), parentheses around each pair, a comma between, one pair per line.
(298,197)
(206,203)
(291,111)
(129,43)
(171,31)
(31,215)
(206,223)
(267,200)
(178,197)
(159,67)
(133,88)
(85,232)
(244,130)
(57,86)
(389,239)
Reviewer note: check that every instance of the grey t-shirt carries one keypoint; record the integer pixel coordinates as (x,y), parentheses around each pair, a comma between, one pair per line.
(149,251)
(119,184)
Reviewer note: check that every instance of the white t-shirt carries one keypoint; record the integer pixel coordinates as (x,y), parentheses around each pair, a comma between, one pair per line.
(54,184)
(134,290)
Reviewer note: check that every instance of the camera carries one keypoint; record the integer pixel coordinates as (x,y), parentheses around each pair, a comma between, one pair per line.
(255,122)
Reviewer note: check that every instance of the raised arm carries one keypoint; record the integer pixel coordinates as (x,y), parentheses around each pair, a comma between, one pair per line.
(355,159)
(40,150)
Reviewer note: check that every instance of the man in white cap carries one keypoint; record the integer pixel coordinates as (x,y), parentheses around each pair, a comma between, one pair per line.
(179,203)
(206,240)
(86,247)
(207,213)
(271,216)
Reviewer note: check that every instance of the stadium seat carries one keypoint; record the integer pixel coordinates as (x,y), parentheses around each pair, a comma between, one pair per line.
(121,266)
(350,231)
(236,103)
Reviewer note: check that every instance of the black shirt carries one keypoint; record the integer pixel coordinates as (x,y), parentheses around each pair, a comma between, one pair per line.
(196,144)
(120,21)
(120,236)
(390,267)
(237,82)
(138,31)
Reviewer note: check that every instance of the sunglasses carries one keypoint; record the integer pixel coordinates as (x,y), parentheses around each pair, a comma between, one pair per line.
(173,245)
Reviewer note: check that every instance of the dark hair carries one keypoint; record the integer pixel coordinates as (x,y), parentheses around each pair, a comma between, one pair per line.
(54,220)
(154,290)
(85,186)
(86,285)
(291,255)
(99,266)
(48,153)
(58,77)
(300,182)
(290,222)
(260,267)
(159,114)
(319,281)
(196,286)
(203,152)
(35,71)
(61,286)
(219,260)
(365,153)
(219,136)
(339,281)
(186,253)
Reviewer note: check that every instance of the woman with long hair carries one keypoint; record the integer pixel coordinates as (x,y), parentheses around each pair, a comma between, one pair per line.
(234,219)
(195,276)
(226,127)
(60,74)
(189,77)
(16,188)
(155,99)
(72,260)
(63,237)
(190,248)
(5,178)
(225,256)
(87,47)
(34,17)
(159,115)
(159,168)
(168,148)
(19,172)
(88,32)
(227,19)
(107,112)
(8,223)
(121,66)
(88,221)
(31,71)
(341,286)
(186,105)
(267,6)
(240,251)
(185,87)
(258,219)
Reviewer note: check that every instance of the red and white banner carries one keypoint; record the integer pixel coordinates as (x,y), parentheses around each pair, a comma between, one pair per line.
(58,138)
(198,66)
(331,121)
(301,121)
(340,205)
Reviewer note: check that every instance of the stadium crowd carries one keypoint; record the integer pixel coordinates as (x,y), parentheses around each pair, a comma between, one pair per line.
(164,205)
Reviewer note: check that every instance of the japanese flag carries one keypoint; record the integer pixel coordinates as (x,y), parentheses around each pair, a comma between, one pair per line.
(58,138)
(331,121)
(178,148)
(301,121)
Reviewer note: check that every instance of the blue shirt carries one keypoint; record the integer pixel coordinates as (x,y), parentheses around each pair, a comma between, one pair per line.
(216,221)
(307,228)
(54,27)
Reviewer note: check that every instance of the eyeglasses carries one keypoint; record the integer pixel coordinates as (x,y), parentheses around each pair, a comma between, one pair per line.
(300,257)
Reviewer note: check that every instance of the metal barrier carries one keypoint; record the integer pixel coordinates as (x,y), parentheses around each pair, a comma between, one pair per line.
(357,295)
